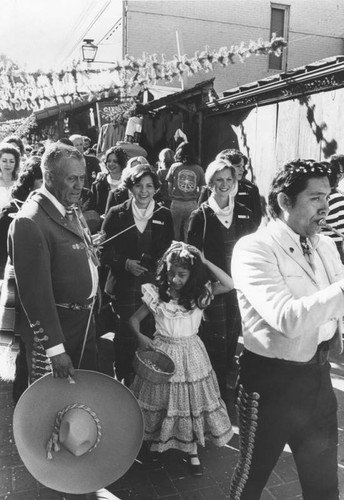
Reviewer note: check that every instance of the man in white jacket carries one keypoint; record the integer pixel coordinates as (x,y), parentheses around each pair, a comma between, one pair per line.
(290,283)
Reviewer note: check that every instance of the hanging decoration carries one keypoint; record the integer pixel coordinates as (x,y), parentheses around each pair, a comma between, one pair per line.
(19,127)
(34,91)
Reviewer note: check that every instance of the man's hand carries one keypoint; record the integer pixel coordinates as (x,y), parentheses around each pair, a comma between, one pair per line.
(62,365)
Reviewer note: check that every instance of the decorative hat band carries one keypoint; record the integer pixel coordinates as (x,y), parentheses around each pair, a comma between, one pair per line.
(77,431)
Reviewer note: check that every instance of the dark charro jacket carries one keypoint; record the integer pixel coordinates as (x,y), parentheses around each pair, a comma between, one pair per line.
(51,266)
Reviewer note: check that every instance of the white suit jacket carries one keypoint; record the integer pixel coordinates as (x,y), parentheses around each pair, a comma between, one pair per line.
(280,301)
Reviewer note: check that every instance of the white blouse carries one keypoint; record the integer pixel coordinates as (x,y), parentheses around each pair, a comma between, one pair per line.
(171,319)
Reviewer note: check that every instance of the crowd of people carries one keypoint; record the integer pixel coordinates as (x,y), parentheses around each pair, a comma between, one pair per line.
(184,261)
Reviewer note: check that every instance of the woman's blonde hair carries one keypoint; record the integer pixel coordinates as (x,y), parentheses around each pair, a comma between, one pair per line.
(216,166)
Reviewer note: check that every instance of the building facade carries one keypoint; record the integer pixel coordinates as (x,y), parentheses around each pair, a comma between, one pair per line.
(314,30)
(279,119)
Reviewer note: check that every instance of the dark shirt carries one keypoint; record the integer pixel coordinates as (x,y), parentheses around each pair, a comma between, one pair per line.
(6,217)
(100,191)
(92,169)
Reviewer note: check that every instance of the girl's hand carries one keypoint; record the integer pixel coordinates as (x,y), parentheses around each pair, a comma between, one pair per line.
(135,268)
(144,343)
(201,255)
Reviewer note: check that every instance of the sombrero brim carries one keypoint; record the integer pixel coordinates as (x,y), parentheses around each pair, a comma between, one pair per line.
(122,431)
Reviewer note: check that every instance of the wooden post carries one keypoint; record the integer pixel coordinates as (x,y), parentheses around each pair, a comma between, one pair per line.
(180,49)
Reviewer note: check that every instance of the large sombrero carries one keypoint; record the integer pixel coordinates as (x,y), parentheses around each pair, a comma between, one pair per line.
(78,438)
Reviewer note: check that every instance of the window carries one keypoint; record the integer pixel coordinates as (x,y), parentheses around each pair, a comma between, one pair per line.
(280,25)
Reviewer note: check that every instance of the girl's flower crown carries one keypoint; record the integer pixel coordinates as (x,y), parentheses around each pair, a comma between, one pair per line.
(184,250)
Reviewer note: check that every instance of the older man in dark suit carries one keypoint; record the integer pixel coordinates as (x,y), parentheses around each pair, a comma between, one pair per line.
(55,269)
(56,274)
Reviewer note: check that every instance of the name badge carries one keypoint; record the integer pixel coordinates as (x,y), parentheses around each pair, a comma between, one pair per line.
(158,222)
(243,216)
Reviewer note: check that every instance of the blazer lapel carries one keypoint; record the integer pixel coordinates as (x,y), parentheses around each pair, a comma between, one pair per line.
(290,247)
(126,214)
(54,214)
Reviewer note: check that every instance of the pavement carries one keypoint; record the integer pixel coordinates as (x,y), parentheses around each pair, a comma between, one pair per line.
(169,478)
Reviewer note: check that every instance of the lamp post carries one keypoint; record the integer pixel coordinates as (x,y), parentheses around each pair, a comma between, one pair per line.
(89,50)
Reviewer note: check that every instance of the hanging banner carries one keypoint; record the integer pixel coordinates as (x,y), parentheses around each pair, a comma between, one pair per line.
(106,113)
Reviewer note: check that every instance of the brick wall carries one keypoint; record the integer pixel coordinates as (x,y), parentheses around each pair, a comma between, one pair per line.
(316,29)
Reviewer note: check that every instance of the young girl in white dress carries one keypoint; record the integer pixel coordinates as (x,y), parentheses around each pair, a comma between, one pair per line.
(188,409)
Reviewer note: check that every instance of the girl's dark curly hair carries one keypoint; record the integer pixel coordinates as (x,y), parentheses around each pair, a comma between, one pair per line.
(25,183)
(194,293)
(121,156)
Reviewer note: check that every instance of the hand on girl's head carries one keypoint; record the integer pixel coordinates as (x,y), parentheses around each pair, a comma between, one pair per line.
(199,253)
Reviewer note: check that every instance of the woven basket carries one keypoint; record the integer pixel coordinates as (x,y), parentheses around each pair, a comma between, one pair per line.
(153,365)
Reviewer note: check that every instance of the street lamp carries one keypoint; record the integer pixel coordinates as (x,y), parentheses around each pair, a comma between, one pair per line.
(89,50)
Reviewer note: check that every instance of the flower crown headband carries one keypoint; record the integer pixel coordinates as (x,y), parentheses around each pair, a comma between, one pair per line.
(309,168)
(184,250)
(306,168)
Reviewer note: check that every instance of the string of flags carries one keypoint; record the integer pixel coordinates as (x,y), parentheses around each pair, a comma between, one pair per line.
(33,91)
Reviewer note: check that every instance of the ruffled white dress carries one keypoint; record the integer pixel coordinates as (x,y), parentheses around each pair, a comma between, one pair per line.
(188,409)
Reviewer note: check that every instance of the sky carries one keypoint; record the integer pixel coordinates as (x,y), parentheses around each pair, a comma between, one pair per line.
(48,34)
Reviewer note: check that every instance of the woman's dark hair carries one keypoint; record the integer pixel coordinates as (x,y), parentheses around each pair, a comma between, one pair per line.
(12,150)
(17,141)
(66,141)
(25,183)
(234,156)
(337,168)
(121,155)
(292,179)
(337,161)
(194,293)
(166,157)
(185,153)
(133,175)
(333,175)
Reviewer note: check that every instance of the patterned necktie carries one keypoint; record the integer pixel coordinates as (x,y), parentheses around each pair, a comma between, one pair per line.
(307,251)
(83,231)
(72,218)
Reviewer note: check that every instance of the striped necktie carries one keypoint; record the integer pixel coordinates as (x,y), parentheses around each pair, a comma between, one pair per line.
(307,251)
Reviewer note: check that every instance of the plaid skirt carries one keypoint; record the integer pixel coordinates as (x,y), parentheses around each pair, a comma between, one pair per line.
(188,409)
(127,301)
(220,330)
